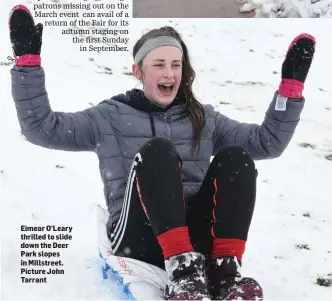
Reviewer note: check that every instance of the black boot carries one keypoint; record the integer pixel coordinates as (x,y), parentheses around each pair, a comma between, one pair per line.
(226,283)
(186,277)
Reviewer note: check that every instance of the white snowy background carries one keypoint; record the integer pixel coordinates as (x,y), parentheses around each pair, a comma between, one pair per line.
(288,8)
(238,66)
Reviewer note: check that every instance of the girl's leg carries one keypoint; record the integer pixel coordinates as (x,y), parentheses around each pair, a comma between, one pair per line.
(220,219)
(154,220)
(132,236)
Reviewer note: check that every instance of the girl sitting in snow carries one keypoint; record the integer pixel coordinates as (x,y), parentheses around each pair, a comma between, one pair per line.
(169,206)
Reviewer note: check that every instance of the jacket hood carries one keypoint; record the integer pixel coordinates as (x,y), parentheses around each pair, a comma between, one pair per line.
(136,99)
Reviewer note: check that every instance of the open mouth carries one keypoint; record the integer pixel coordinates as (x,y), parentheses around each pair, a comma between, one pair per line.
(166,88)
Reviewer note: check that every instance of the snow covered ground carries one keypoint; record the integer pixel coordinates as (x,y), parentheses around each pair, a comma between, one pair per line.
(238,69)
(288,8)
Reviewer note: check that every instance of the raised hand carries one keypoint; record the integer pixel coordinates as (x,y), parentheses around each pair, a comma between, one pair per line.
(296,66)
(25,36)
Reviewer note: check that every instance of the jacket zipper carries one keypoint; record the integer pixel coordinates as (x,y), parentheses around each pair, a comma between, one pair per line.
(168,126)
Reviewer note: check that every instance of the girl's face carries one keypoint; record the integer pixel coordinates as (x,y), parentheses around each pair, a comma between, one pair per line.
(161,74)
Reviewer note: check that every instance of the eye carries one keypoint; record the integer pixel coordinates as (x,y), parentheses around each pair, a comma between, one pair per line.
(158,65)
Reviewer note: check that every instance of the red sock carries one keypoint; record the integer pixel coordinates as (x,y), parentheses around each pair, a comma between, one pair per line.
(228,247)
(175,241)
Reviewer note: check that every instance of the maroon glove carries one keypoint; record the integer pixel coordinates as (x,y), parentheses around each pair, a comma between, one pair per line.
(26,38)
(296,66)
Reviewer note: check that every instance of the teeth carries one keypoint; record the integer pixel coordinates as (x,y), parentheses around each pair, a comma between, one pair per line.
(166,85)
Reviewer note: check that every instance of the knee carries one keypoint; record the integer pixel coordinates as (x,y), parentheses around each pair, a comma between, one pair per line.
(234,155)
(232,152)
(159,143)
(158,147)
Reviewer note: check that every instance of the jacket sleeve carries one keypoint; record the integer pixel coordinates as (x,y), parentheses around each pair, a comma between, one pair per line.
(265,141)
(40,125)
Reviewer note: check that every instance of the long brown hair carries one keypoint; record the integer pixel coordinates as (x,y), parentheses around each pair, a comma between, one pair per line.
(185,93)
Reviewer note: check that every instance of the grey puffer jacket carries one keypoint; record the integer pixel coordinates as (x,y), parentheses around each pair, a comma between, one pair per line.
(115,129)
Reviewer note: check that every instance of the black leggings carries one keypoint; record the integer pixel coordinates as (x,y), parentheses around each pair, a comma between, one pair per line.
(154,203)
